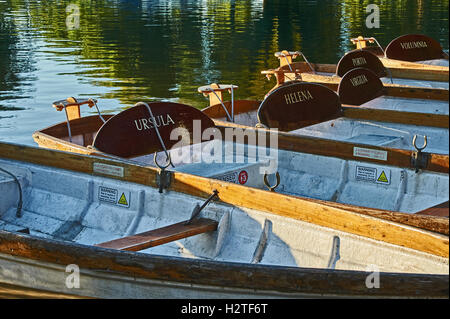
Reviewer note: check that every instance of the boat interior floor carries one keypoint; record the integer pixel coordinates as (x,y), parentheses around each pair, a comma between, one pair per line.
(391,135)
(439,62)
(88,209)
(408,104)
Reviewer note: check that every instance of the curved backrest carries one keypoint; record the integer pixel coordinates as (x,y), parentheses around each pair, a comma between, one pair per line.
(132,132)
(360,59)
(414,47)
(359,86)
(298,104)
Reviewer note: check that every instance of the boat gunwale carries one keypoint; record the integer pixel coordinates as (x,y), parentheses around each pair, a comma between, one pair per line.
(256,277)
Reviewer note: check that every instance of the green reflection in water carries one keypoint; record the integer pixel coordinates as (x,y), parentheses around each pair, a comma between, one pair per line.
(143,50)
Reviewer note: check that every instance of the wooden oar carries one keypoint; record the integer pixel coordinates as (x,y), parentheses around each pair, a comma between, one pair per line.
(162,235)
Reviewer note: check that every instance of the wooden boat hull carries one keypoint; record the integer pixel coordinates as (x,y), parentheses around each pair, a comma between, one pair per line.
(146,277)
(66,216)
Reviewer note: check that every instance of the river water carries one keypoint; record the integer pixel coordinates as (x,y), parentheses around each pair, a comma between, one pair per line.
(123,52)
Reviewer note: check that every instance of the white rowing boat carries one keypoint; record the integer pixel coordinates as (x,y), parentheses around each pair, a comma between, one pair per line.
(95,227)
(347,172)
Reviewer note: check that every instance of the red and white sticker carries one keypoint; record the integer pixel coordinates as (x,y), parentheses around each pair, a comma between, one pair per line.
(243,177)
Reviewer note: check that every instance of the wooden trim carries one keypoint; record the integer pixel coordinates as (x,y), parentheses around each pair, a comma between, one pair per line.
(163,235)
(48,141)
(8,291)
(440,75)
(238,195)
(416,92)
(320,282)
(432,223)
(390,116)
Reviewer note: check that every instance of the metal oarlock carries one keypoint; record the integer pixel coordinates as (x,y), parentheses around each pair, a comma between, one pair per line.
(419,160)
(266,182)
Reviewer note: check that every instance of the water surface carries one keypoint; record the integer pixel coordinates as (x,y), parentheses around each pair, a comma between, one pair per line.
(123,52)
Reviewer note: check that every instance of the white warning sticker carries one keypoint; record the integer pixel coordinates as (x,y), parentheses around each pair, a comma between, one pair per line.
(228,177)
(106,169)
(366,173)
(114,196)
(370,153)
(373,174)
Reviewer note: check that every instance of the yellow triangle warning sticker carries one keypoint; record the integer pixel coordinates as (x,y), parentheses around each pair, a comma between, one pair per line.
(382,178)
(123,200)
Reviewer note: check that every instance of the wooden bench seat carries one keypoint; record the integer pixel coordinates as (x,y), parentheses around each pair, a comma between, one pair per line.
(161,235)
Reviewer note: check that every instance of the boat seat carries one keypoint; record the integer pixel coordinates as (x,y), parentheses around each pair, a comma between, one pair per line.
(72,106)
(214,91)
(162,235)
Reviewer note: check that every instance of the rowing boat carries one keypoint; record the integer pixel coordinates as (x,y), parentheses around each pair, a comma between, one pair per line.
(394,74)
(304,108)
(96,227)
(326,170)
(362,87)
(407,51)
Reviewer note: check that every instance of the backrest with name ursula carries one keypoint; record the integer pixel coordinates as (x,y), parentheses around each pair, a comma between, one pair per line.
(298,104)
(132,132)
(359,86)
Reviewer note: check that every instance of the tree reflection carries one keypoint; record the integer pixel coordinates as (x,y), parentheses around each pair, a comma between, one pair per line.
(16,64)
(166,49)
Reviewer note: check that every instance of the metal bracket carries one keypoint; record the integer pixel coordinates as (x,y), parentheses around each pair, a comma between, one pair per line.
(335,253)
(164,177)
(419,160)
(198,209)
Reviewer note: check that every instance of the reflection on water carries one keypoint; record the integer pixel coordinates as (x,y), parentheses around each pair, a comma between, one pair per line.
(127,51)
